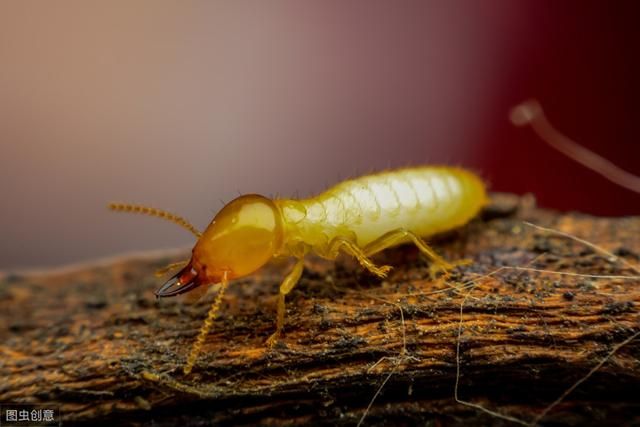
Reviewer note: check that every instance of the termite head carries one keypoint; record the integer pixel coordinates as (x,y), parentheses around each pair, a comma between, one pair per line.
(242,237)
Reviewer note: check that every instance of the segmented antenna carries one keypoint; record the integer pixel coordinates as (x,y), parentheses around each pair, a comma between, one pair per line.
(206,327)
(530,113)
(124,207)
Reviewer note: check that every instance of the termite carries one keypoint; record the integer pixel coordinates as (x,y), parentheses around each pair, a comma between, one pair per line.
(358,217)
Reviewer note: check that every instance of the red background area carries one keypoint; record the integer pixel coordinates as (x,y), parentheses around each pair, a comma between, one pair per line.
(582,61)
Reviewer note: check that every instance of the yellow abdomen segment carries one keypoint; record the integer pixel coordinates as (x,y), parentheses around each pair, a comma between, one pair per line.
(424,200)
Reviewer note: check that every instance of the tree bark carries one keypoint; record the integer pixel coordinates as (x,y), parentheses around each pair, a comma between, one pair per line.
(95,342)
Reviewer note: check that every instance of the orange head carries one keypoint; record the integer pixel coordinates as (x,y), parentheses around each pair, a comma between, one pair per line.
(242,237)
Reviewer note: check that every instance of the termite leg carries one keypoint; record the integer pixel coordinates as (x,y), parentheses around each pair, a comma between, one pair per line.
(287,285)
(342,243)
(393,237)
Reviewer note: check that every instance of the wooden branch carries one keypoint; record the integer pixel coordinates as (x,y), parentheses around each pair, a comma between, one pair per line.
(97,344)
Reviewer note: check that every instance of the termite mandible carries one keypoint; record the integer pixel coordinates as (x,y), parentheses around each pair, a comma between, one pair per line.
(358,217)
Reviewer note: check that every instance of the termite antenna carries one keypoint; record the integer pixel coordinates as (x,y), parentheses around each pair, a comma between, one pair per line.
(530,113)
(206,326)
(124,207)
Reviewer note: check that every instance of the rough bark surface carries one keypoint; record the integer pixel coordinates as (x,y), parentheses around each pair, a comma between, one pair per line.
(96,343)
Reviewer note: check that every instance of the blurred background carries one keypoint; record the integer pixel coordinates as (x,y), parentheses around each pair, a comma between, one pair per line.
(183,105)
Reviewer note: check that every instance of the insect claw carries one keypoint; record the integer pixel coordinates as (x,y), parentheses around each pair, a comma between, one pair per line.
(184,281)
